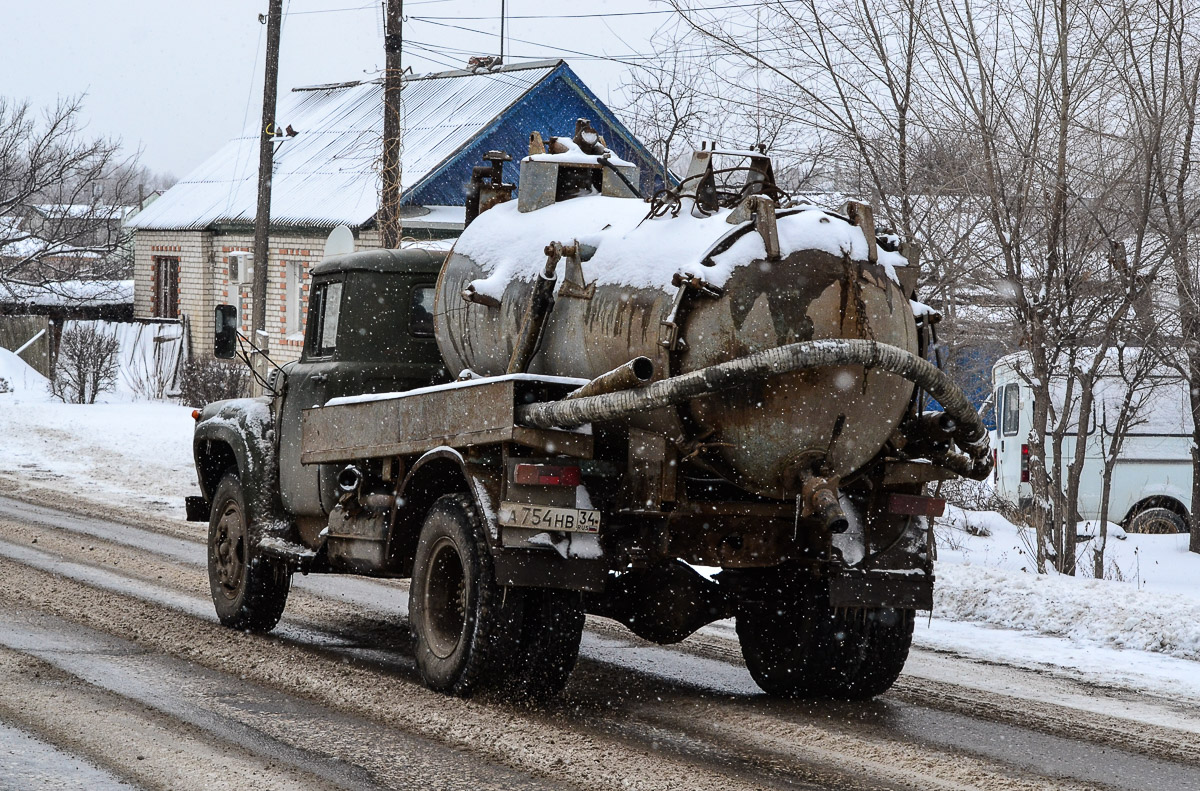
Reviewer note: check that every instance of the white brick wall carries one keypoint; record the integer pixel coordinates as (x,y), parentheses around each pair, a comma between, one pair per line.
(204,279)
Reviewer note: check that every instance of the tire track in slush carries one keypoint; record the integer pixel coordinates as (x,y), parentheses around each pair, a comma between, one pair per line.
(907,730)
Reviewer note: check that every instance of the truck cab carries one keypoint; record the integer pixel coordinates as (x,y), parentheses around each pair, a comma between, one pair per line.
(369,330)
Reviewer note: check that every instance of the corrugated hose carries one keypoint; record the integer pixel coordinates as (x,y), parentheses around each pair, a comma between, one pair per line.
(969,434)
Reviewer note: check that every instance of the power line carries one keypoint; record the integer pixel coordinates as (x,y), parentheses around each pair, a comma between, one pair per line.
(592,16)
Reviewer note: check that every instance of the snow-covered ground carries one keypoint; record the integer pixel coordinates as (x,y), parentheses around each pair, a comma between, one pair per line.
(1139,627)
(135,452)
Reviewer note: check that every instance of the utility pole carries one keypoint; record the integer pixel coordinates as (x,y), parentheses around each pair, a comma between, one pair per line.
(390,226)
(266,151)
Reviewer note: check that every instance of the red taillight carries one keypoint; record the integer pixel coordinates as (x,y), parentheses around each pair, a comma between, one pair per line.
(195,414)
(546,475)
(1024,464)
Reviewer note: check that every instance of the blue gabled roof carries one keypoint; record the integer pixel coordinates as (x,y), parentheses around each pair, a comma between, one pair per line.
(550,107)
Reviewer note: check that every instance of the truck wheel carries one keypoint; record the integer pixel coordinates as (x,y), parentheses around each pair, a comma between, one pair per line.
(248,590)
(1157,521)
(463,627)
(881,638)
(548,642)
(810,650)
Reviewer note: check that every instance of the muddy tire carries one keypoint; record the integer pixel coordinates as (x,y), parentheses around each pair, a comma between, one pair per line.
(248,590)
(807,649)
(547,643)
(463,627)
(1157,521)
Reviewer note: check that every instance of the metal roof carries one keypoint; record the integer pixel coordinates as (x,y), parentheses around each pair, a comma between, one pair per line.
(327,174)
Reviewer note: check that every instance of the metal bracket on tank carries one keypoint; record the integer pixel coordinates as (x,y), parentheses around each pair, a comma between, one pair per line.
(573,284)
(686,283)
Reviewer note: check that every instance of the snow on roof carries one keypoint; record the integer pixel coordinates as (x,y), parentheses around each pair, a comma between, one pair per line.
(68,292)
(327,174)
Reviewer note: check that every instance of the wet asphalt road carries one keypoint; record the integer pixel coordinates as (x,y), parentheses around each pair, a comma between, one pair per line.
(115,675)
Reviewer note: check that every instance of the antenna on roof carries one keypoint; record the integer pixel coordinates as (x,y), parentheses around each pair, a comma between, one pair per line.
(503,13)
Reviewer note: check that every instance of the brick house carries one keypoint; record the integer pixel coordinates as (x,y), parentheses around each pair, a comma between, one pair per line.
(191,245)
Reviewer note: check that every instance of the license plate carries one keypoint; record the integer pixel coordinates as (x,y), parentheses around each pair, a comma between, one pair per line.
(542,517)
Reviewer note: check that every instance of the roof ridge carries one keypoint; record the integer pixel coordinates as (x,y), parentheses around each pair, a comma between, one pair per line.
(532,64)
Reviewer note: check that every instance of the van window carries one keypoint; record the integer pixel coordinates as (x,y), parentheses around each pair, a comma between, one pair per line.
(1012,409)
(997,408)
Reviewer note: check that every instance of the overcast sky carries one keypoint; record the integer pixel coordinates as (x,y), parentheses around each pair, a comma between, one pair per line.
(178,78)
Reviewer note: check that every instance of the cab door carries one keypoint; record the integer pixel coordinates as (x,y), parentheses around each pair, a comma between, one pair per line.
(308,385)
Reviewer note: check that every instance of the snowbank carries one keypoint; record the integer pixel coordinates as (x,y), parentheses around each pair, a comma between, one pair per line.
(1148,601)
(19,376)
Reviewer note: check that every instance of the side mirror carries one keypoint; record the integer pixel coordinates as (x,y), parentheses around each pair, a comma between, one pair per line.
(225,332)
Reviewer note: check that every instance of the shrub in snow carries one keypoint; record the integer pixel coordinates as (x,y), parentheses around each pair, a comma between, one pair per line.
(203,381)
(87,364)
(4,386)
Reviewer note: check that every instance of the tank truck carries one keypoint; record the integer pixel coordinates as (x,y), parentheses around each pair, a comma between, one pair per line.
(704,405)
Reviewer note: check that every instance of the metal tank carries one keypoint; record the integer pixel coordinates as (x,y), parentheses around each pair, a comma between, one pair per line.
(761,435)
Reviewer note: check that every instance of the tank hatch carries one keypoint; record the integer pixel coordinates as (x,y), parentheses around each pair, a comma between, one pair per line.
(563,168)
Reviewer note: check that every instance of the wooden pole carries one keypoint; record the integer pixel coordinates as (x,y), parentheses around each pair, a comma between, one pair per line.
(266,151)
(390,226)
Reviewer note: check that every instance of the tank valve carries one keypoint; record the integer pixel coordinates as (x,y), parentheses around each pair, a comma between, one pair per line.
(819,498)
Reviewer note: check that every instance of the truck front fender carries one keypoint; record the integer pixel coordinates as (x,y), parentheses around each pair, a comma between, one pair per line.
(240,434)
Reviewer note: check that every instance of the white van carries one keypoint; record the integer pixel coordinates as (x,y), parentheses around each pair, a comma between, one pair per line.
(1152,480)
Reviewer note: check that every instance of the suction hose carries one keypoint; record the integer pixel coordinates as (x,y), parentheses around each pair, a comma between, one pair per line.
(970,434)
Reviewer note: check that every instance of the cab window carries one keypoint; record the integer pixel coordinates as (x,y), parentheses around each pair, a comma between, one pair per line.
(1012,409)
(420,311)
(325,310)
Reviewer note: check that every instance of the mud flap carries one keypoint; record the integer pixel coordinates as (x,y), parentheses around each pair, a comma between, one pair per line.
(541,569)
(198,509)
(905,590)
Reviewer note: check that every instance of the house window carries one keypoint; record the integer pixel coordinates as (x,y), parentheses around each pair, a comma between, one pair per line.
(166,287)
(326,306)
(294,301)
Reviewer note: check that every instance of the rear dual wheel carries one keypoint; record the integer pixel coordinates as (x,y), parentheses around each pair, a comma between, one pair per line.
(808,649)
(473,635)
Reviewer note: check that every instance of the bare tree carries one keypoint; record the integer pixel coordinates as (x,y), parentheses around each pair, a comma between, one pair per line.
(63,196)
(87,364)
(664,106)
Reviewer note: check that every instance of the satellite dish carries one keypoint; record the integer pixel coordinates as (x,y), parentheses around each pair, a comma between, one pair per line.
(340,242)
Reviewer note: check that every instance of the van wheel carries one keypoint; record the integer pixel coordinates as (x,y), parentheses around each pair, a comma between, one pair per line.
(248,590)
(807,649)
(463,627)
(1157,521)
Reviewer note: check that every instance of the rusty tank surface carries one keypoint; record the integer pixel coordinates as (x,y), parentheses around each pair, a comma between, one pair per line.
(693,287)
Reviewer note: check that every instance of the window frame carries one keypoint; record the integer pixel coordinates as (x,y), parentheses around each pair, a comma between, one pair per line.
(293,304)
(166,289)
(317,314)
(412,304)
(1011,431)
